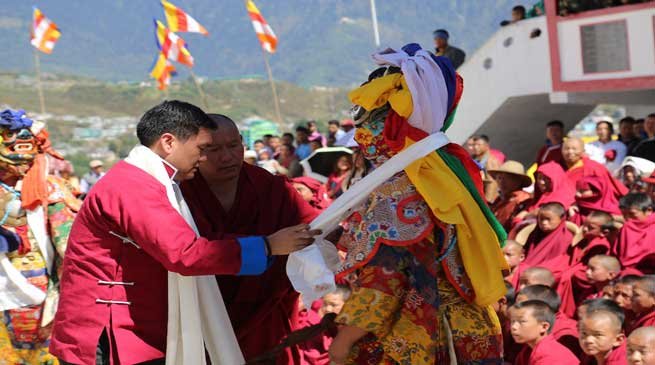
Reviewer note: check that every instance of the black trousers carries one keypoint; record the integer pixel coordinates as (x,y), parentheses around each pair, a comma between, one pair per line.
(103,352)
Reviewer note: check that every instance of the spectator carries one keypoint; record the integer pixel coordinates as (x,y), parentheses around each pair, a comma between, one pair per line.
(641,343)
(484,158)
(551,238)
(342,169)
(605,150)
(602,338)
(627,134)
(315,135)
(511,179)
(361,168)
(91,178)
(646,148)
(258,145)
(67,173)
(638,128)
(536,276)
(643,302)
(635,243)
(552,150)
(335,133)
(469,146)
(536,10)
(289,161)
(287,138)
(266,138)
(303,149)
(266,161)
(518,14)
(312,191)
(274,143)
(454,54)
(347,139)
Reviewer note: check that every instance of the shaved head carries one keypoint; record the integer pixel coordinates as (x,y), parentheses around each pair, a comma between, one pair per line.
(536,276)
(644,332)
(641,343)
(225,154)
(610,263)
(572,150)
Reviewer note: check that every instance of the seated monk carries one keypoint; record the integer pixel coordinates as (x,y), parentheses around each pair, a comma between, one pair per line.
(580,166)
(636,240)
(514,255)
(536,276)
(551,238)
(570,268)
(511,180)
(230,197)
(594,193)
(551,185)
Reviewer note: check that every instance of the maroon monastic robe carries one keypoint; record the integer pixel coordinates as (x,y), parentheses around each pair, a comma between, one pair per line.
(542,247)
(636,243)
(642,320)
(618,356)
(547,352)
(260,307)
(593,168)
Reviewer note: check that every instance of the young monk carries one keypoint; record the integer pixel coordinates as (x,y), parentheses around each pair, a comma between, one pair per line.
(641,346)
(643,302)
(591,305)
(595,193)
(551,238)
(635,242)
(532,321)
(601,270)
(510,347)
(514,255)
(536,276)
(623,296)
(565,329)
(315,350)
(571,267)
(551,185)
(602,338)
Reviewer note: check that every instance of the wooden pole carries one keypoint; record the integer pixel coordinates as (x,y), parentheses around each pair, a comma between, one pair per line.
(203,97)
(39,86)
(276,101)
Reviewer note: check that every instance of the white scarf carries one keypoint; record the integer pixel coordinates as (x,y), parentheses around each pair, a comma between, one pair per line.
(311,270)
(197,318)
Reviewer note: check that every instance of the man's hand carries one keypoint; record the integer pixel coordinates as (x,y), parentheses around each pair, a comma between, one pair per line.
(288,240)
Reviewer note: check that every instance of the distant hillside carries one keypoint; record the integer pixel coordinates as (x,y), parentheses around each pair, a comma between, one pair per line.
(322,42)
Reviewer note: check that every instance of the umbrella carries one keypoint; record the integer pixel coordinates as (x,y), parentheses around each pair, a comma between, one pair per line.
(320,164)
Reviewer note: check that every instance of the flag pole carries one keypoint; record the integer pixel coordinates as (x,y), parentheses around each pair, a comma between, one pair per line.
(39,86)
(374,17)
(276,101)
(203,97)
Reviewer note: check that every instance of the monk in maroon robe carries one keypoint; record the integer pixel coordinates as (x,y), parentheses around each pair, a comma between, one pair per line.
(580,166)
(232,198)
(636,242)
(550,239)
(569,269)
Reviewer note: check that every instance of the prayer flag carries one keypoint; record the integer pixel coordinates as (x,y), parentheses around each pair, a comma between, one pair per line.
(171,45)
(162,71)
(44,32)
(264,32)
(179,21)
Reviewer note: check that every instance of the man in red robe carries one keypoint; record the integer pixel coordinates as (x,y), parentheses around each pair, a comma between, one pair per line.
(132,231)
(578,165)
(550,239)
(230,198)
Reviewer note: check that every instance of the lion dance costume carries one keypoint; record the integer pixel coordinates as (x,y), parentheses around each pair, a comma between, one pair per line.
(36,214)
(424,251)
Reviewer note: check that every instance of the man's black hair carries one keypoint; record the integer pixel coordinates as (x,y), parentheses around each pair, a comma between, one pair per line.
(334,122)
(257,141)
(630,120)
(640,201)
(555,123)
(603,304)
(483,137)
(178,118)
(544,293)
(302,129)
(520,9)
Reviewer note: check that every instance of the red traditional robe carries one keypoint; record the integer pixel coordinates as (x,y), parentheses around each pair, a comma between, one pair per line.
(569,272)
(593,168)
(549,153)
(565,331)
(546,352)
(125,239)
(314,351)
(646,319)
(636,243)
(561,191)
(260,307)
(618,356)
(542,247)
